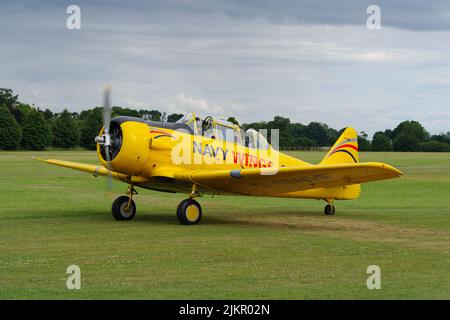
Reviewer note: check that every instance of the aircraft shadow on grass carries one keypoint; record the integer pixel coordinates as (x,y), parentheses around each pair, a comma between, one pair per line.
(268,220)
(278,220)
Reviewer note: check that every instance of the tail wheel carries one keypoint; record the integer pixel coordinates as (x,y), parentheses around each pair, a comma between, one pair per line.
(329,210)
(189,212)
(123,208)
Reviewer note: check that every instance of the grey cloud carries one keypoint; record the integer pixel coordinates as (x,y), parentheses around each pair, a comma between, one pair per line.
(404,14)
(308,60)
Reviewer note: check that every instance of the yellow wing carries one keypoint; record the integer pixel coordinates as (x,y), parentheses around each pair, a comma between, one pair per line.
(266,182)
(93,169)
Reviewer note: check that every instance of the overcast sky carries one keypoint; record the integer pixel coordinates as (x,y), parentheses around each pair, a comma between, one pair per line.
(307,60)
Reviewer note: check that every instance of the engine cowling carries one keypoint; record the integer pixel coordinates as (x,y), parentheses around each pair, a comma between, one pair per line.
(129,148)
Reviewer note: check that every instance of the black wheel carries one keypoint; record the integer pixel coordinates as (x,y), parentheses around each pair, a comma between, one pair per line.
(329,210)
(120,210)
(189,212)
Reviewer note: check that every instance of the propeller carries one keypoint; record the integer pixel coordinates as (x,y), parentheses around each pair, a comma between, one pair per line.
(105,138)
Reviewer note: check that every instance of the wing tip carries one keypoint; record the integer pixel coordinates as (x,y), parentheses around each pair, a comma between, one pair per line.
(38,159)
(394,170)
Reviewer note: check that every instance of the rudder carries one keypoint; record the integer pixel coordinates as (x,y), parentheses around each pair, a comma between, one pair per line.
(345,150)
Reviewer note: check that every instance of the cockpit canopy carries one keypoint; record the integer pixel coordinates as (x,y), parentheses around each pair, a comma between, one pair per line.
(256,140)
(224,130)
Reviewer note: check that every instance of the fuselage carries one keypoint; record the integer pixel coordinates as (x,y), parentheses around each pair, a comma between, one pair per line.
(157,151)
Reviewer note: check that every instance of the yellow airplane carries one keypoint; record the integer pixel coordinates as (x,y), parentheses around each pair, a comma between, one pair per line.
(212,156)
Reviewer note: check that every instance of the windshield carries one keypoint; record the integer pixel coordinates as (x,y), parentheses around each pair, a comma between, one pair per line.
(186,118)
(222,130)
(192,121)
(216,128)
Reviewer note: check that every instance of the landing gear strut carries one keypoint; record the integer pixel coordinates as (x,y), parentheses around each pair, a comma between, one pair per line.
(124,208)
(189,211)
(329,209)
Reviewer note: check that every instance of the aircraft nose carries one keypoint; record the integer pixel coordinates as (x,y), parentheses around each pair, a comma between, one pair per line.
(116,140)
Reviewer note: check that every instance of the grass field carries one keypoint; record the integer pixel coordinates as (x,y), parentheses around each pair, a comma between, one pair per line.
(252,248)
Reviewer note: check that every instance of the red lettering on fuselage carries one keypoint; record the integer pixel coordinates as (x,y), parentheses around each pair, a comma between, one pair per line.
(245,159)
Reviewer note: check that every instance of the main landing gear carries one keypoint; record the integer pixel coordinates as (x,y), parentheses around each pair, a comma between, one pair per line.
(329,209)
(189,211)
(124,208)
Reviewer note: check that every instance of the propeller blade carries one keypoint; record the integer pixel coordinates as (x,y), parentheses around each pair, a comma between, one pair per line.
(107,137)
(109,178)
(107,111)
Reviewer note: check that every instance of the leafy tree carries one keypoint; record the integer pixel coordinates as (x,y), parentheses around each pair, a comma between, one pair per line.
(303,142)
(318,132)
(91,122)
(333,135)
(119,111)
(406,141)
(363,142)
(155,115)
(66,133)
(388,133)
(283,125)
(297,131)
(174,117)
(443,138)
(36,133)
(8,99)
(381,142)
(412,128)
(10,131)
(298,136)
(434,146)
(48,114)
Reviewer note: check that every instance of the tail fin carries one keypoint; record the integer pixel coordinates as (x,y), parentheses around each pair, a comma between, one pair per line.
(345,150)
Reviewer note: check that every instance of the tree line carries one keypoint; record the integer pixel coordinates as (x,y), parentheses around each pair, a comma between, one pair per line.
(24,126)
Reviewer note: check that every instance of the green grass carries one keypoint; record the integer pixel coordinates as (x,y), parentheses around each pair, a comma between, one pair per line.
(253,248)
